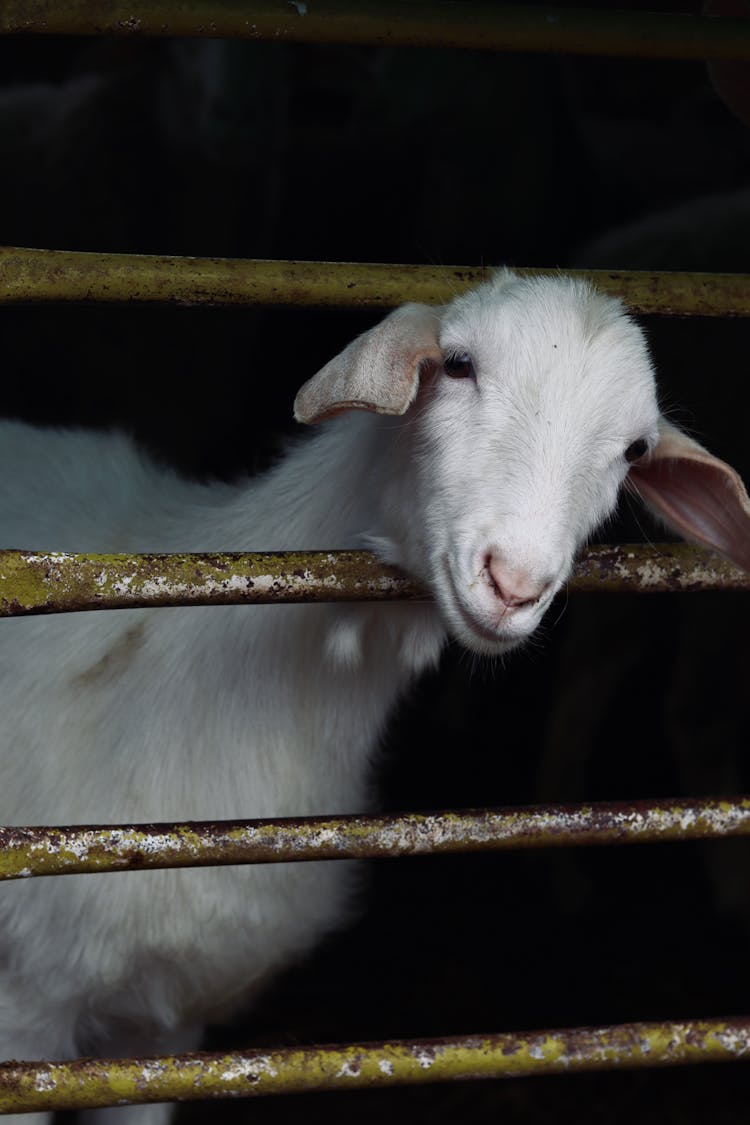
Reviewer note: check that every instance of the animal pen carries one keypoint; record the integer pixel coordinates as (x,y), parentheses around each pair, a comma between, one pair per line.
(32,582)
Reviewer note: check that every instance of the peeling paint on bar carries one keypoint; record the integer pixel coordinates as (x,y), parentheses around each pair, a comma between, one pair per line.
(33,582)
(31,275)
(36,582)
(475,24)
(92,1083)
(32,851)
(654,568)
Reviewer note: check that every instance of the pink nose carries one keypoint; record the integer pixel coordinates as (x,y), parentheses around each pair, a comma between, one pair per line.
(515,588)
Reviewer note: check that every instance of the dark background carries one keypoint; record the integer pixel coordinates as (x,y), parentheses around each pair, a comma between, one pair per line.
(347,153)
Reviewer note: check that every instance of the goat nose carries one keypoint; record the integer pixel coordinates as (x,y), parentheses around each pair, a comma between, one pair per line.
(515,588)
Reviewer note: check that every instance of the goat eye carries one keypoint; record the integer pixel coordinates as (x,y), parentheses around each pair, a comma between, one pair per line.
(636,450)
(459,366)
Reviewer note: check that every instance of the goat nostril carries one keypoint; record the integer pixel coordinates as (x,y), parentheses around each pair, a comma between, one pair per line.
(512,600)
(514,588)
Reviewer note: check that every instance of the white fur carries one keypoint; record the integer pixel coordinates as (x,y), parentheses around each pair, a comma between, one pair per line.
(241,712)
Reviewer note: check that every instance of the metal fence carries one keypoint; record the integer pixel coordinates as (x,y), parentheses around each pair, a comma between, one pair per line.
(32,583)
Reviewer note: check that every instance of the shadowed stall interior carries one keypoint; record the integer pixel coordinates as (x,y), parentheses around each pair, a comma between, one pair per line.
(266,150)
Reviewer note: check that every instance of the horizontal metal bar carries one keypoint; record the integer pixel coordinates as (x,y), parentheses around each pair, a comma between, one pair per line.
(27,852)
(31,275)
(92,1083)
(654,568)
(33,583)
(475,24)
(54,582)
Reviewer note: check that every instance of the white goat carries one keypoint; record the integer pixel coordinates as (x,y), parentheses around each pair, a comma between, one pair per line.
(528,402)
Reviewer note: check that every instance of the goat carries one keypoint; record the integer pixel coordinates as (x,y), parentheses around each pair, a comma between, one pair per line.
(476,446)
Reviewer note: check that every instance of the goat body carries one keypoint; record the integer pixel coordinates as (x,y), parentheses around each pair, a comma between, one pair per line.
(527,402)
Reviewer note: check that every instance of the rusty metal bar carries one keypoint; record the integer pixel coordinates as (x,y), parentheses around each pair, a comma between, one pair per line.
(55,582)
(31,275)
(654,568)
(475,24)
(27,852)
(93,1083)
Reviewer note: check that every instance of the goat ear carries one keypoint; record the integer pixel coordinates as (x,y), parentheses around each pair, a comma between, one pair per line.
(699,496)
(378,371)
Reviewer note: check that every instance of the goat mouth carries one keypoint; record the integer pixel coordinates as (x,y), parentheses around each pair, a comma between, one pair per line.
(481,630)
(497,637)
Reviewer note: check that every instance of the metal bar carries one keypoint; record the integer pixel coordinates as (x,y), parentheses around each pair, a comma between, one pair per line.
(475,24)
(92,1083)
(32,275)
(55,582)
(654,568)
(27,852)
(33,583)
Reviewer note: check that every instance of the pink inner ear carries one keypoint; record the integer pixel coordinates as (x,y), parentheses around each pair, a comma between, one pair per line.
(703,501)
